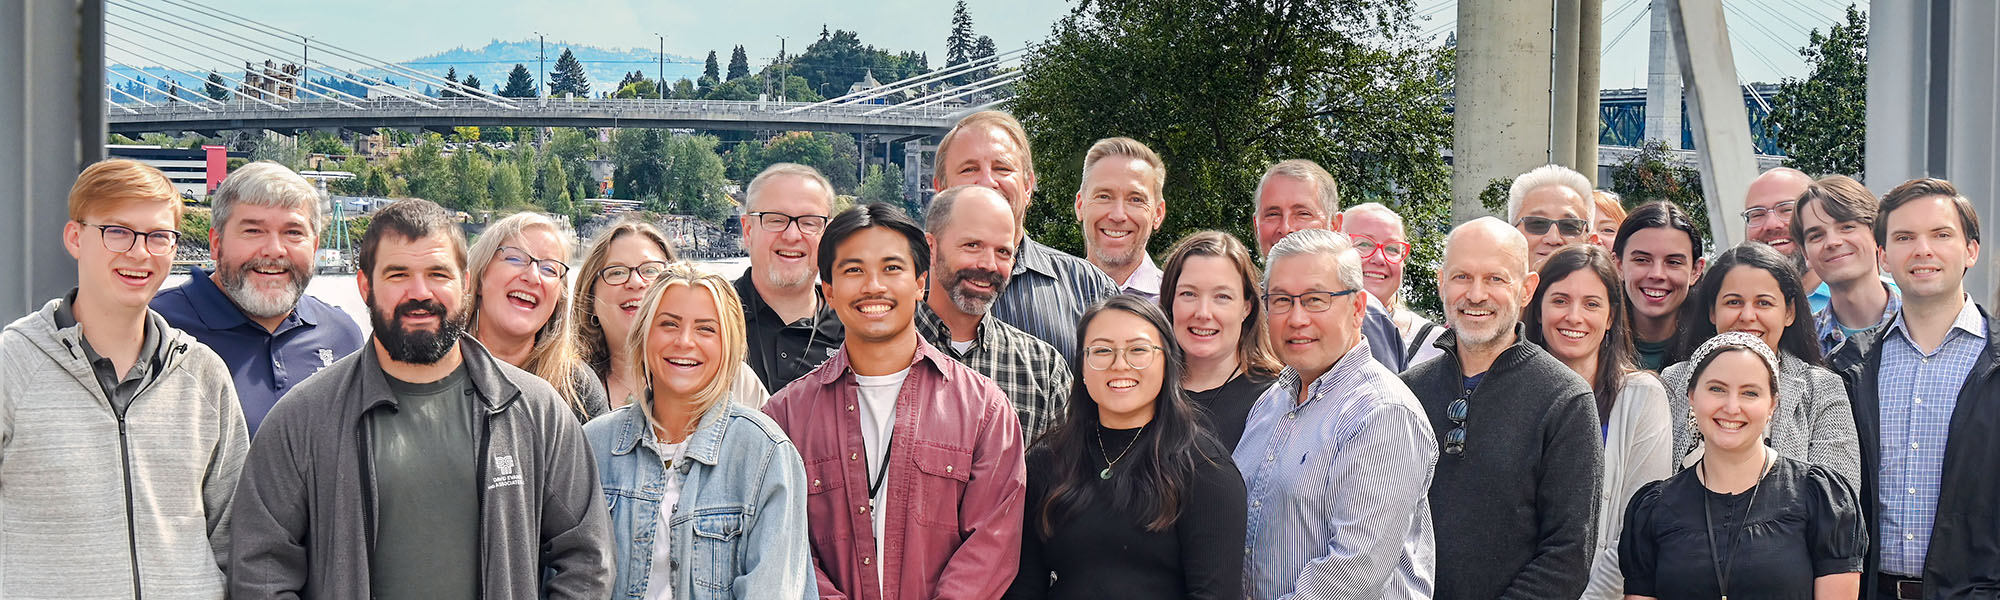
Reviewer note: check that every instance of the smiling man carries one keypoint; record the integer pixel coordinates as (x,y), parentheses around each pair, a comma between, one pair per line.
(1552,207)
(1834,223)
(1767,217)
(1298,194)
(1119,205)
(789,331)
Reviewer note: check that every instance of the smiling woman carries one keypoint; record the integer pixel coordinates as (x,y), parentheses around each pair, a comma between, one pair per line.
(520,308)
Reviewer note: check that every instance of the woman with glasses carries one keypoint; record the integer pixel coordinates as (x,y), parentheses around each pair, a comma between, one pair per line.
(1130,497)
(1209,289)
(707,497)
(1578,315)
(1383,243)
(1744,520)
(520,307)
(1753,289)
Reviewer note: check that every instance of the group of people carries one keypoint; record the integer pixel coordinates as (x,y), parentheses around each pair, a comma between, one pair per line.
(882,407)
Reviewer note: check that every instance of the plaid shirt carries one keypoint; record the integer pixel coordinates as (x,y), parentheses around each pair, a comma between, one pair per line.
(1031,373)
(1048,293)
(1829,334)
(1918,392)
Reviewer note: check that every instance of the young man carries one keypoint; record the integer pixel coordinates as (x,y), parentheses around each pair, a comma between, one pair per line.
(421,466)
(1350,518)
(253,310)
(943,518)
(1659,256)
(1834,225)
(971,234)
(1552,208)
(790,332)
(1298,194)
(120,437)
(1516,490)
(1119,205)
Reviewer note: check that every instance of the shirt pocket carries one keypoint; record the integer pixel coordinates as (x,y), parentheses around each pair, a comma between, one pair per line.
(824,500)
(717,546)
(942,474)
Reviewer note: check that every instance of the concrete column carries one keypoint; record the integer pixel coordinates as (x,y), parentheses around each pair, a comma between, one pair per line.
(1969,133)
(1498,131)
(1563,87)
(52,85)
(1663,79)
(1898,92)
(1715,109)
(1589,39)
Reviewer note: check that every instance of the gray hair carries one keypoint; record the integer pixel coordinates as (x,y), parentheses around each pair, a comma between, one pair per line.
(1310,172)
(938,214)
(268,184)
(776,170)
(1318,242)
(1544,176)
(1375,208)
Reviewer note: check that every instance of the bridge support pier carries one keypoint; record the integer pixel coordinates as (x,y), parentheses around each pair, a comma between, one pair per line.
(53,129)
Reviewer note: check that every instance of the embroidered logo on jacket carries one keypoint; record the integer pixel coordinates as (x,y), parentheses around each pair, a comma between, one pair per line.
(504,475)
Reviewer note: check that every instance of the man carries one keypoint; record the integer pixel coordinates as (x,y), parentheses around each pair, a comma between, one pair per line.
(1927,407)
(1378,236)
(253,310)
(1518,482)
(120,438)
(1659,258)
(1552,207)
(1298,194)
(1119,205)
(1834,225)
(943,520)
(970,230)
(1049,290)
(1767,217)
(1350,518)
(790,332)
(421,466)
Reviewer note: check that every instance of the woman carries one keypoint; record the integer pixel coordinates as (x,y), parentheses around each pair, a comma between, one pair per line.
(1578,315)
(1610,214)
(1209,288)
(520,309)
(1130,497)
(1752,288)
(707,497)
(1743,520)
(620,264)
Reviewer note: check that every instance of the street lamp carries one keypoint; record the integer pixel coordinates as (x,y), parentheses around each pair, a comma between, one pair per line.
(660,87)
(774,67)
(542,67)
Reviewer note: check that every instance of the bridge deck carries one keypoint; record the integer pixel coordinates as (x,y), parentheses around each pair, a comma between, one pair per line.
(530,112)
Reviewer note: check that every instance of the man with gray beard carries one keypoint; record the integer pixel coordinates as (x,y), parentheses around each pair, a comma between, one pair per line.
(253,310)
(971,234)
(790,331)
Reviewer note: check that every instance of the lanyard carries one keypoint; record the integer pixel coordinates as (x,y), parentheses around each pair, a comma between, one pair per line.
(1723,567)
(881,475)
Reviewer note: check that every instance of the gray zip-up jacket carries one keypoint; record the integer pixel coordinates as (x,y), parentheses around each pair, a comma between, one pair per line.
(98,504)
(305,511)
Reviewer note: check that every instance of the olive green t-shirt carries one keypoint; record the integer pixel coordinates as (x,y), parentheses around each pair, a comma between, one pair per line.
(426,457)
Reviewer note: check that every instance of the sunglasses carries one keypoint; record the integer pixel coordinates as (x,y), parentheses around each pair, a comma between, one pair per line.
(1454,441)
(1540,226)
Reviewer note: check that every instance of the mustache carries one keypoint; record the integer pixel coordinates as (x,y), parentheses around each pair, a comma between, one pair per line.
(987,276)
(410,306)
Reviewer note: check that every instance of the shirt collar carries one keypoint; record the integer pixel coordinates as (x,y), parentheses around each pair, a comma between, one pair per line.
(1146,278)
(837,366)
(149,342)
(1968,320)
(1033,256)
(1356,358)
(218,312)
(754,307)
(1829,327)
(933,328)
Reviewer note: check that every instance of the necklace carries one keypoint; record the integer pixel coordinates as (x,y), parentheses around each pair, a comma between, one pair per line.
(1112,462)
(1723,567)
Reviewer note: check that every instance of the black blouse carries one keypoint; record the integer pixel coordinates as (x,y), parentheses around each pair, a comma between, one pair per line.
(1804,523)
(1227,406)
(1102,553)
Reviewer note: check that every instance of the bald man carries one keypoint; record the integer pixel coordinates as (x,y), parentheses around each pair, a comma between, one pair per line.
(1767,217)
(1517,433)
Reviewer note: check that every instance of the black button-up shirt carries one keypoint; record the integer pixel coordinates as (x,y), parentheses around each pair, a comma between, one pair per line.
(781,352)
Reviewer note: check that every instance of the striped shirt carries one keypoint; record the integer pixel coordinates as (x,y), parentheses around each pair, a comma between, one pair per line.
(1918,391)
(1028,370)
(1048,293)
(1350,516)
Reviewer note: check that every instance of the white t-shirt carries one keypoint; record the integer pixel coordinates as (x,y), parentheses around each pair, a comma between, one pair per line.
(659,578)
(961,347)
(877,395)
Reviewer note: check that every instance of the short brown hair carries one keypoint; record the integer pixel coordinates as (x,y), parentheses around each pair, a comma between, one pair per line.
(1842,199)
(113,183)
(1918,189)
(987,118)
(410,219)
(1310,172)
(1126,148)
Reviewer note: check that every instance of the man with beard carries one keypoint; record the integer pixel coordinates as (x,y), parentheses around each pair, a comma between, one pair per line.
(253,310)
(790,332)
(1768,207)
(1515,492)
(421,467)
(971,233)
(1119,205)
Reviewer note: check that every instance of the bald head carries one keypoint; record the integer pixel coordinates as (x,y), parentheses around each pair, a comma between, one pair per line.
(1485,282)
(1768,207)
(1487,235)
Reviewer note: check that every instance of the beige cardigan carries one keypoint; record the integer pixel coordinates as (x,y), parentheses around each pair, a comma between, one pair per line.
(1638,451)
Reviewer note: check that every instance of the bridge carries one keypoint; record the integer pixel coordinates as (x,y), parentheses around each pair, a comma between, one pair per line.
(366,114)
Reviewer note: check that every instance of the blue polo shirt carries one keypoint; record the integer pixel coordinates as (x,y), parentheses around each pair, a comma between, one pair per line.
(264,364)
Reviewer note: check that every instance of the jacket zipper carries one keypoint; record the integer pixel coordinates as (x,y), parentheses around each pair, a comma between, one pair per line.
(125,457)
(485,456)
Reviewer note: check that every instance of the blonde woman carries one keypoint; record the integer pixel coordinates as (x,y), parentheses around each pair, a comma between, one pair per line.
(520,308)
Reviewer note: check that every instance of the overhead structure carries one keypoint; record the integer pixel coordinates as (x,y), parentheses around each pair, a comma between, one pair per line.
(1500,129)
(1725,153)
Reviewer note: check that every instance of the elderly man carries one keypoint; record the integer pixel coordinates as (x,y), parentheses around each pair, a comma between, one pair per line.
(1767,217)
(1350,517)
(971,233)
(1552,207)
(789,331)
(1050,290)
(1119,205)
(1298,194)
(1519,479)
(1384,246)
(253,310)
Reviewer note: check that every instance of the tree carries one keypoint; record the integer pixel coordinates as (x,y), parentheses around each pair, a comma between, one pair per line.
(693,179)
(640,155)
(831,65)
(642,88)
(216,89)
(840,169)
(981,50)
(683,90)
(451,83)
(886,186)
(959,44)
(505,188)
(520,84)
(472,83)
(1656,173)
(569,79)
(739,64)
(1821,121)
(710,70)
(631,78)
(472,174)
(377,185)
(424,167)
(552,186)
(320,142)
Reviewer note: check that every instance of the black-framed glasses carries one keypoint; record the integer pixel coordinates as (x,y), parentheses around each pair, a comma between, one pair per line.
(775,222)
(1279,304)
(517,258)
(1138,357)
(119,239)
(618,274)
(1782,209)
(1540,226)
(1394,252)
(1454,440)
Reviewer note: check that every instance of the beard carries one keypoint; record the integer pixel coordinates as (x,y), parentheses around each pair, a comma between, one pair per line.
(259,302)
(778,278)
(1503,323)
(1117,259)
(969,301)
(417,347)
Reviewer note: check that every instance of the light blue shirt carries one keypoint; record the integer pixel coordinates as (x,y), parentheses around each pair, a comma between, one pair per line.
(1338,487)
(1918,391)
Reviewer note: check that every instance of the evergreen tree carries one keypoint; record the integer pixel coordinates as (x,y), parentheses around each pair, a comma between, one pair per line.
(569,79)
(683,90)
(451,80)
(216,89)
(739,64)
(472,82)
(711,70)
(824,33)
(960,43)
(631,78)
(520,84)
(981,50)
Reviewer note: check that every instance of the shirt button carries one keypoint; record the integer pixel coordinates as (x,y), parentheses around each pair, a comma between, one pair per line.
(1291,416)
(1917,400)
(1913,445)
(1256,503)
(1270,457)
(815,483)
(854,456)
(863,509)
(947,468)
(784,355)
(1909,536)
(867,559)
(1913,490)
(850,408)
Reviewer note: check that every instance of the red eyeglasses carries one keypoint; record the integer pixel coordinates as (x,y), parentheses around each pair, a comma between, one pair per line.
(1394,252)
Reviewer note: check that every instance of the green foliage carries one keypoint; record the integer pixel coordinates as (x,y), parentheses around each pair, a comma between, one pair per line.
(520,83)
(959,44)
(377,184)
(424,170)
(569,78)
(451,84)
(643,88)
(236,163)
(216,88)
(842,169)
(710,70)
(640,155)
(683,90)
(739,64)
(735,89)
(693,178)
(1494,196)
(1821,121)
(886,186)
(322,142)
(470,174)
(833,63)
(472,82)
(797,89)
(506,189)
(800,147)
(280,149)
(1653,175)
(195,223)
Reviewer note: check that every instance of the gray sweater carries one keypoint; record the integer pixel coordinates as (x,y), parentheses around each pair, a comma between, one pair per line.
(93,505)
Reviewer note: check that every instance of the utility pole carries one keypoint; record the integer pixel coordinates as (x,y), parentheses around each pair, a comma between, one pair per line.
(661,85)
(1663,80)
(305,64)
(774,67)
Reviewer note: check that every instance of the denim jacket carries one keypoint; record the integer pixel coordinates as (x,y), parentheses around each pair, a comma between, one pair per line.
(739,529)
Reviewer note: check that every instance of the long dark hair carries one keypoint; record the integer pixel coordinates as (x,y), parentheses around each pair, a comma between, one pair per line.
(1697,324)
(1154,481)
(1615,357)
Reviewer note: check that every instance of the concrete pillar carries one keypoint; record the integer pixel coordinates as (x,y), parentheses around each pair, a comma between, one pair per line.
(1589,40)
(1715,108)
(1498,131)
(1563,86)
(1663,79)
(52,85)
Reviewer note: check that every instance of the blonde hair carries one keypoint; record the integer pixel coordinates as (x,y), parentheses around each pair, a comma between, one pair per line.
(1609,205)
(1124,147)
(553,357)
(987,118)
(113,183)
(728,312)
(590,343)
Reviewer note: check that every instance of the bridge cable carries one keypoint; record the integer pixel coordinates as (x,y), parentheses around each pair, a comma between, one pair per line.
(161,90)
(330,69)
(136,54)
(168,38)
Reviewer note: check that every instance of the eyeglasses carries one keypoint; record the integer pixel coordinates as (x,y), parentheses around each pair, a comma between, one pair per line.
(120,239)
(1540,226)
(1454,441)
(1138,357)
(1782,209)
(776,222)
(619,274)
(1279,304)
(517,258)
(1393,252)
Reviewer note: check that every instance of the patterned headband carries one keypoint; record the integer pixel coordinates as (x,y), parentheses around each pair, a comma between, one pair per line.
(1732,340)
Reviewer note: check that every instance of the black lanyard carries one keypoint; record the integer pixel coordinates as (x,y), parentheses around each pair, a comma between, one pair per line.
(1724,566)
(881,475)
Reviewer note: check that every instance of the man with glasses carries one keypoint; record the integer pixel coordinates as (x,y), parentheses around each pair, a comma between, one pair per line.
(1337,455)
(122,435)
(1767,217)
(1296,195)
(1552,207)
(1515,495)
(790,331)
(1119,204)
(253,310)
(1379,238)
